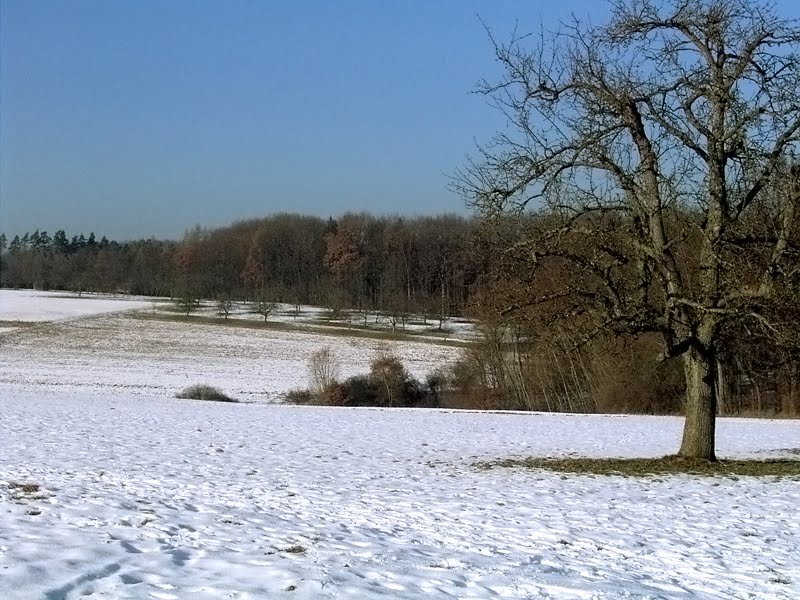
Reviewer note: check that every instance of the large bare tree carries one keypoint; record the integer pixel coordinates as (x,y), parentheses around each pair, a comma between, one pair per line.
(658,151)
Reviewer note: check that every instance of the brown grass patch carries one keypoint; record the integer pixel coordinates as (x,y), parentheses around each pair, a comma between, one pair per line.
(645,467)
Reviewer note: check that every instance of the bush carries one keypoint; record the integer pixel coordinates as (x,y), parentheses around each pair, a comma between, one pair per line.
(204,392)
(300,397)
(323,370)
(359,390)
(388,375)
(634,382)
(529,372)
(387,384)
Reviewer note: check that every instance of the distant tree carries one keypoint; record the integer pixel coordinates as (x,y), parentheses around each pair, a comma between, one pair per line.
(345,256)
(60,242)
(264,307)
(225,307)
(77,243)
(189,263)
(253,272)
(44,241)
(397,268)
(187,300)
(3,245)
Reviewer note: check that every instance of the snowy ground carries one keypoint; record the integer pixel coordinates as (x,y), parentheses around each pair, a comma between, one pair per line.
(454,328)
(111,488)
(20,307)
(111,354)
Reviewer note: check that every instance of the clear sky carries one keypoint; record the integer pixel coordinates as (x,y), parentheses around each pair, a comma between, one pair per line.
(139,119)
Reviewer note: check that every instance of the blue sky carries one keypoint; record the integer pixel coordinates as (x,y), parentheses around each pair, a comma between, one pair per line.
(139,119)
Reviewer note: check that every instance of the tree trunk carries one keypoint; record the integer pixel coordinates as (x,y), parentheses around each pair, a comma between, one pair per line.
(701,406)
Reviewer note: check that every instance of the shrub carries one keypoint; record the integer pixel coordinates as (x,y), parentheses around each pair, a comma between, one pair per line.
(634,382)
(387,384)
(538,372)
(359,390)
(300,397)
(335,395)
(323,370)
(389,376)
(435,381)
(204,392)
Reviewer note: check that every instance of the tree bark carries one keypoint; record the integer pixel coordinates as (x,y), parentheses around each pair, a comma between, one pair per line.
(701,406)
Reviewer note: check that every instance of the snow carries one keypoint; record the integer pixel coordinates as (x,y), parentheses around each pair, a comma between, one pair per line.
(19,307)
(320,318)
(153,358)
(132,493)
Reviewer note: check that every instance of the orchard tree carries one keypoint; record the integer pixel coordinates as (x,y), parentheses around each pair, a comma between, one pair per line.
(650,164)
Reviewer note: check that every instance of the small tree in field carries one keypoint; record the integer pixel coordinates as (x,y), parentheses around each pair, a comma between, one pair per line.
(187,301)
(224,307)
(650,175)
(264,308)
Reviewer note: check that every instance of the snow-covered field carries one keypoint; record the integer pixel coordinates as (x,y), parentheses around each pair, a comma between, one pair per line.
(28,306)
(24,307)
(135,355)
(112,488)
(299,315)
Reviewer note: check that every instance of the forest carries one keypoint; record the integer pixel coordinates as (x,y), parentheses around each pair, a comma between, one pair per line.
(421,265)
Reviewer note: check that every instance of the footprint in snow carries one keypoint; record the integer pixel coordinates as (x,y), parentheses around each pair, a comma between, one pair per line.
(130,579)
(130,548)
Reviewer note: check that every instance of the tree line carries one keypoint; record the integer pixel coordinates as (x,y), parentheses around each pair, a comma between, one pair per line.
(38,260)
(397,266)
(423,265)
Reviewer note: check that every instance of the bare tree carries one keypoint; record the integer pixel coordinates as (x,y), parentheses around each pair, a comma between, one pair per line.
(323,370)
(264,307)
(658,151)
(225,306)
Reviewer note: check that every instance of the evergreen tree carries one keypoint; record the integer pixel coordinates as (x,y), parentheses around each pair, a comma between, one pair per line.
(44,241)
(60,242)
